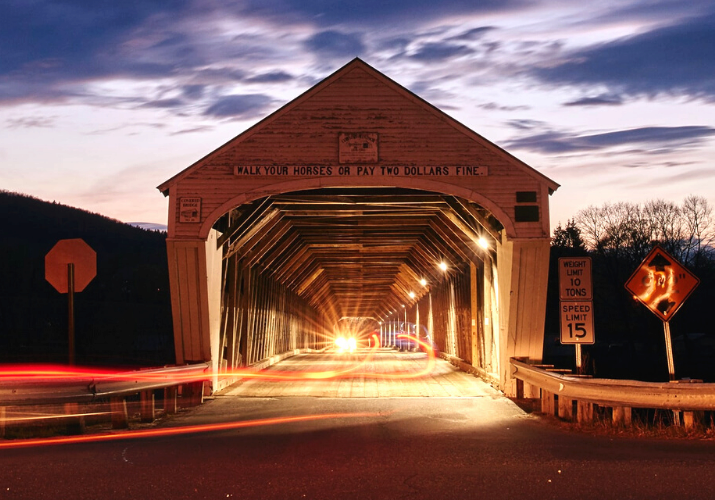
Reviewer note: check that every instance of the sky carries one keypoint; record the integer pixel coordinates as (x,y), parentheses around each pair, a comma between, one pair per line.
(103,100)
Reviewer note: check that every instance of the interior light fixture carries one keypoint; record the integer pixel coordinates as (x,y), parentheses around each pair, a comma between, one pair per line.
(443,266)
(423,282)
(483,243)
(412,295)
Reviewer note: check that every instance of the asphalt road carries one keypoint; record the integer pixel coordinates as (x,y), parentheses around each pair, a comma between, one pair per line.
(404,447)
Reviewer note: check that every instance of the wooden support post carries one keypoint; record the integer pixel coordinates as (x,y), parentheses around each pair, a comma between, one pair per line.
(519,389)
(246,291)
(170,400)
(677,420)
(622,416)
(194,393)
(584,412)
(120,418)
(147,406)
(547,403)
(3,414)
(565,408)
(531,391)
(76,424)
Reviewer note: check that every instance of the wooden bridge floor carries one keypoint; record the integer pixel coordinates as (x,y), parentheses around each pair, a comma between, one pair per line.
(389,366)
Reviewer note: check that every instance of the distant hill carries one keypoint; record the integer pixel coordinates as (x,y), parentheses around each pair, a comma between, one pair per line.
(122,317)
(149,225)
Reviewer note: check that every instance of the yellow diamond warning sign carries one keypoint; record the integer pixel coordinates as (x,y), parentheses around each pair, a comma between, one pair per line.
(661,283)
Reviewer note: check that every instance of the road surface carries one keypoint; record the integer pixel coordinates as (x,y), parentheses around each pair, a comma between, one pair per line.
(456,439)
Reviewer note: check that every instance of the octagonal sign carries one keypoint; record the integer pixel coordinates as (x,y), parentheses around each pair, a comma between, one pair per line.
(72,251)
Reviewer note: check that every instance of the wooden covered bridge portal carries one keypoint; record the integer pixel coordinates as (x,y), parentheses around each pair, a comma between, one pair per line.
(343,204)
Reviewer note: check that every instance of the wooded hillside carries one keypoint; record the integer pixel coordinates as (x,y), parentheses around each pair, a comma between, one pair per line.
(123,317)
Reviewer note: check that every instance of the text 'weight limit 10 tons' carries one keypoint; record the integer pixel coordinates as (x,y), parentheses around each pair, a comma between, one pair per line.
(575,278)
(576,305)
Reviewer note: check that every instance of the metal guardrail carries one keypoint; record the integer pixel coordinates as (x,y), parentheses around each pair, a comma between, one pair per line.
(679,395)
(86,390)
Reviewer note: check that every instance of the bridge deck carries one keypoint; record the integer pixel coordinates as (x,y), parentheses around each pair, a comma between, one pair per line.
(391,366)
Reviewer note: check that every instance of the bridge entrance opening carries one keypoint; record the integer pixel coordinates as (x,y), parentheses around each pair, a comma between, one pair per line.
(358,209)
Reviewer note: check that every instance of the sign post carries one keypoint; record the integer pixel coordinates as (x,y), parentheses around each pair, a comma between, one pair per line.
(662,284)
(69,267)
(576,294)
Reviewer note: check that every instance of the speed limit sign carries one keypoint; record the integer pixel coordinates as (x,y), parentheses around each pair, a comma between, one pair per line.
(577,323)
(576,306)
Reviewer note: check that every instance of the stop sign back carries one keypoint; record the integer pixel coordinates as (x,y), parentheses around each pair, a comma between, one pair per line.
(72,251)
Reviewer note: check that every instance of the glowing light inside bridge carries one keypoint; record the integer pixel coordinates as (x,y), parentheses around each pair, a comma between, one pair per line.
(91,375)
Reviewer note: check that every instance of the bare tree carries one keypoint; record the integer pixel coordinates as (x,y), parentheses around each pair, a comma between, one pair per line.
(666,225)
(592,225)
(629,230)
(700,224)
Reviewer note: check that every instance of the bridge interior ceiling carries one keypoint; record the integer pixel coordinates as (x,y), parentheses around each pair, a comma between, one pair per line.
(358,252)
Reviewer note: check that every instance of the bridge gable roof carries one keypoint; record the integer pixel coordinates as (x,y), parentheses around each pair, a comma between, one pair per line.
(358,98)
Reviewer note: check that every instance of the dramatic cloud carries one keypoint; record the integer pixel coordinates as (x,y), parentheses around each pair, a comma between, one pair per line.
(193,91)
(272,77)
(638,75)
(47,43)
(164,103)
(473,34)
(374,12)
(240,106)
(601,100)
(492,106)
(558,142)
(335,44)
(678,59)
(31,122)
(440,52)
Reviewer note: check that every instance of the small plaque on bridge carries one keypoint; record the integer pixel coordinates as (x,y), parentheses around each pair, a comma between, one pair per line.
(189,210)
(357,147)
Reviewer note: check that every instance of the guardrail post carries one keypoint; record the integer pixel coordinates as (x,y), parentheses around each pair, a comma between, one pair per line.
(565,408)
(120,418)
(531,391)
(547,403)
(692,418)
(170,400)
(76,423)
(584,412)
(622,416)
(147,406)
(194,393)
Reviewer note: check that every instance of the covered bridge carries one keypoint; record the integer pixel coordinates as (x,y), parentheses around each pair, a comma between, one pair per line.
(361,202)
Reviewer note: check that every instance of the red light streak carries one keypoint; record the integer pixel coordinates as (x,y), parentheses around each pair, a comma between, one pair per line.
(174,431)
(61,373)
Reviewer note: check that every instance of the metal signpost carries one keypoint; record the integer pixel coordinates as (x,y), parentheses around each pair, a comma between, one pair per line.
(662,284)
(69,267)
(576,303)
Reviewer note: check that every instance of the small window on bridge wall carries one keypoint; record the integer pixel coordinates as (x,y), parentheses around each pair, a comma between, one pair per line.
(526,212)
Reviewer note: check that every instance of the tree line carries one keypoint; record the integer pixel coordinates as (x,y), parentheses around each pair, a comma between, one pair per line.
(629,338)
